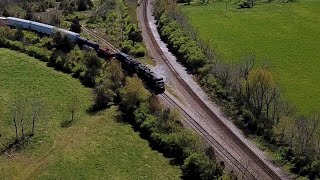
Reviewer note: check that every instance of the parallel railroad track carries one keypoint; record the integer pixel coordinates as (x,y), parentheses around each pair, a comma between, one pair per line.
(222,125)
(209,139)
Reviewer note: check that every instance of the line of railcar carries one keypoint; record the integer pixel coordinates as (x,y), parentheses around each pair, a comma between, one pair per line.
(155,82)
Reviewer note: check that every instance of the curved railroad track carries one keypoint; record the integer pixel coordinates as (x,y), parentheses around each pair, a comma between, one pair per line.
(255,161)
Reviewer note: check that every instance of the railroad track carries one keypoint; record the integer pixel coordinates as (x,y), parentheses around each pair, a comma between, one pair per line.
(109,45)
(272,174)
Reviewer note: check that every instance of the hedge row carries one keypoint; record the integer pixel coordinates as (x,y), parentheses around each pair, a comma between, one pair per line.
(33,51)
(183,47)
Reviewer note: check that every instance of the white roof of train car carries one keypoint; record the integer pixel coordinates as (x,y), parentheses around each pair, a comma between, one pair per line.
(41,24)
(68,32)
(18,19)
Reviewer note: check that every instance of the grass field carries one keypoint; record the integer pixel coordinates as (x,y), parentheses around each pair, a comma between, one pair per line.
(287,35)
(94,147)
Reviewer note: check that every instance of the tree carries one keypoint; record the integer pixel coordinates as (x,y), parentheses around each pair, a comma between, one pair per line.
(305,132)
(19,35)
(261,83)
(73,107)
(84,5)
(108,84)
(37,106)
(75,26)
(199,166)
(284,130)
(14,118)
(6,13)
(133,94)
(19,113)
(93,66)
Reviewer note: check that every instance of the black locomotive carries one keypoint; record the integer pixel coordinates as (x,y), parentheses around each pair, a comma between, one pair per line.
(155,82)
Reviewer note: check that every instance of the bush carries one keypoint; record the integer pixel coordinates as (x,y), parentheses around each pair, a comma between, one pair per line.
(199,166)
(38,53)
(138,50)
(126,46)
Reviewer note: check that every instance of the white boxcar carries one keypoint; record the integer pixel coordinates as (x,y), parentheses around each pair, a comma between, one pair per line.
(42,28)
(17,22)
(71,35)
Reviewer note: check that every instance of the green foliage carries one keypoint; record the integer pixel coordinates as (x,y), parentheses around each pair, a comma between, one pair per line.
(133,94)
(108,85)
(138,50)
(62,42)
(84,5)
(38,53)
(93,66)
(199,166)
(182,46)
(75,26)
(19,35)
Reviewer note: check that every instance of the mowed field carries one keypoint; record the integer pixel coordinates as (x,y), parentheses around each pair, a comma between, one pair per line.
(94,147)
(285,35)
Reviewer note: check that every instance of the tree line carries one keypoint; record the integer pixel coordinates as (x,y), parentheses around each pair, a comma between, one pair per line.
(248,93)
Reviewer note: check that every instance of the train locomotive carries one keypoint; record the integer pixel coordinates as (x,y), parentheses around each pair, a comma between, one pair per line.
(155,82)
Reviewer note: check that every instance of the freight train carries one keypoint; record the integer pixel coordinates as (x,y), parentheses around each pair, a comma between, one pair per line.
(155,82)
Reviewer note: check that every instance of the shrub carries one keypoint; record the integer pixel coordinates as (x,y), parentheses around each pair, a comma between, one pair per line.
(199,166)
(138,50)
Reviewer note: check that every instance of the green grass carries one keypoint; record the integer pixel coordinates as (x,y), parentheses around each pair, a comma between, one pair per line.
(287,35)
(94,147)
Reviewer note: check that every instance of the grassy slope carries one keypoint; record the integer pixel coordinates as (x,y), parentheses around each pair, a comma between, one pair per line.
(286,34)
(94,147)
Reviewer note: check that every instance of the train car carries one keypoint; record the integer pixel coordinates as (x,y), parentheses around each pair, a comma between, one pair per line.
(17,22)
(84,41)
(71,35)
(122,57)
(154,82)
(105,53)
(3,21)
(41,28)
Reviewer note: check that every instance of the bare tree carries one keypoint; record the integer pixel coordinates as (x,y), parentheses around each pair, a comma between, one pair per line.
(37,107)
(19,113)
(73,107)
(14,118)
(305,130)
